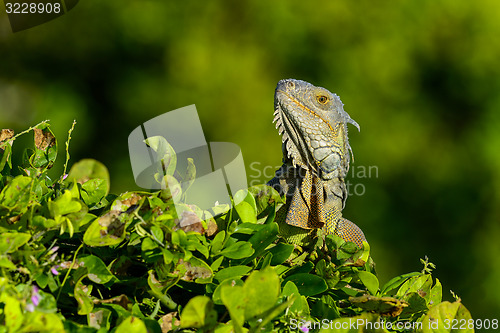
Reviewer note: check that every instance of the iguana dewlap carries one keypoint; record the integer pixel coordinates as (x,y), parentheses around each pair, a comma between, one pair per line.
(313,126)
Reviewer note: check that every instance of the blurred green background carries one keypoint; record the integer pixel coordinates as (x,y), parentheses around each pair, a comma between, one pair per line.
(422,78)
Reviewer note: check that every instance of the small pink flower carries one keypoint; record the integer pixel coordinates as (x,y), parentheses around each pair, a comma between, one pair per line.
(35,300)
(54,249)
(54,271)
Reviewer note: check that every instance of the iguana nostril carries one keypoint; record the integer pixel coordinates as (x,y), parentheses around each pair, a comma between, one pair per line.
(290,85)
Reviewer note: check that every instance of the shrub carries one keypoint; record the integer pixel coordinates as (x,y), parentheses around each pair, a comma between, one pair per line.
(76,258)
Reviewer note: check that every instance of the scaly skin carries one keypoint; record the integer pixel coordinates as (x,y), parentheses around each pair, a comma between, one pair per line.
(313,126)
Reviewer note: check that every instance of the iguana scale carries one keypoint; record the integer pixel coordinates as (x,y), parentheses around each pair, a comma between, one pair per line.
(316,154)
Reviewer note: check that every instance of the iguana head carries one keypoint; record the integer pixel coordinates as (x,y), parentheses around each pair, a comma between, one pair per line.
(313,125)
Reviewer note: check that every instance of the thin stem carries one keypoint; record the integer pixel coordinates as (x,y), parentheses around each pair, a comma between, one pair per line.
(67,149)
(69,271)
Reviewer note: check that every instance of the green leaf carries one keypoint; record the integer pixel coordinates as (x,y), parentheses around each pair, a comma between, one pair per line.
(305,268)
(97,270)
(238,250)
(258,295)
(396,282)
(246,212)
(290,290)
(199,313)
(82,296)
(107,230)
(132,325)
(441,318)
(308,284)
(6,156)
(47,302)
(136,311)
(262,239)
(87,169)
(216,264)
(328,272)
(151,250)
(436,294)
(93,191)
(248,228)
(196,245)
(11,241)
(64,204)
(262,289)
(326,306)
(42,322)
(233,297)
(118,310)
(216,297)
(233,272)
(281,252)
(218,242)
(369,280)
(152,326)
(13,313)
(43,223)
(157,233)
(417,284)
(416,304)
(15,197)
(245,196)
(6,263)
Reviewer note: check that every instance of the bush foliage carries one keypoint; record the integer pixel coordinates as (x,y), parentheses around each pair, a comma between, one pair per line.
(75,258)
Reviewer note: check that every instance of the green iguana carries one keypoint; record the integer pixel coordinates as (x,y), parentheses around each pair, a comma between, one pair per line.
(316,152)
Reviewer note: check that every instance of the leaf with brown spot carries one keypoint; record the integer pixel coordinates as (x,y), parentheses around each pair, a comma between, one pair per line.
(121,300)
(45,148)
(189,221)
(44,138)
(5,148)
(6,134)
(386,306)
(169,322)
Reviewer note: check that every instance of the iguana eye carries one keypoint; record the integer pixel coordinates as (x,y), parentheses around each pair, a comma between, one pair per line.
(322,99)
